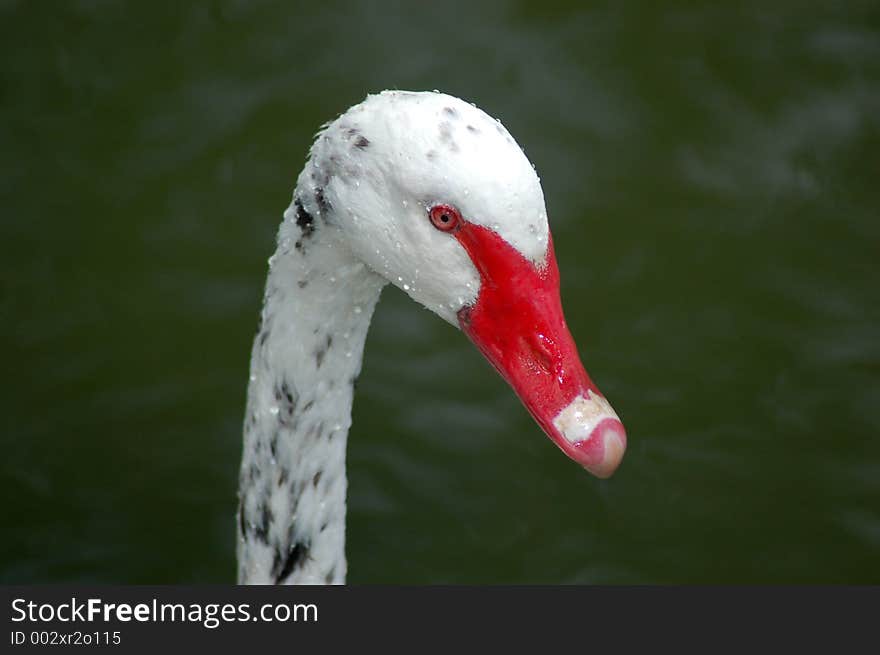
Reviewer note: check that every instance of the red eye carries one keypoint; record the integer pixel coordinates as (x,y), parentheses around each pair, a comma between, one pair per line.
(444,217)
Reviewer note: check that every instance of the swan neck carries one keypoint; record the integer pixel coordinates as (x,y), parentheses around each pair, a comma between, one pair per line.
(305,359)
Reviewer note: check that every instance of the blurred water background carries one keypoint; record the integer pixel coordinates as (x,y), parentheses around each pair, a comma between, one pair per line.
(712,177)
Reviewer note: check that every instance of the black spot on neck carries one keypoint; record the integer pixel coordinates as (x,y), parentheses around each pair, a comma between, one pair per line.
(283,393)
(296,557)
(287,401)
(362,142)
(322,351)
(261,531)
(288,395)
(449,111)
(321,201)
(305,221)
(317,431)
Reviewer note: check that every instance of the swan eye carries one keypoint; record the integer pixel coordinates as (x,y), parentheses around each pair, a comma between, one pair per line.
(444,217)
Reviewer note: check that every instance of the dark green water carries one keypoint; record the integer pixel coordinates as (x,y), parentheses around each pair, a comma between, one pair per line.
(713,183)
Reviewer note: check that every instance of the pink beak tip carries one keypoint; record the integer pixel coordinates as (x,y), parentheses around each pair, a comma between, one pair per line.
(602,451)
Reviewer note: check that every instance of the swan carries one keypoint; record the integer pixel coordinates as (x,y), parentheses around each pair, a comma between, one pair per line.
(427,192)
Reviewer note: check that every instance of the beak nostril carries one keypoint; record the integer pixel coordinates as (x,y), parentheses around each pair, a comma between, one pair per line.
(543,352)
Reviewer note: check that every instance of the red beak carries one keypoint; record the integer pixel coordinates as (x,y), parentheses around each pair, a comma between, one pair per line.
(518,325)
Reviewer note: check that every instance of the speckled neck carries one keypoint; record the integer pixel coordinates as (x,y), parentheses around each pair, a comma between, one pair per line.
(306,356)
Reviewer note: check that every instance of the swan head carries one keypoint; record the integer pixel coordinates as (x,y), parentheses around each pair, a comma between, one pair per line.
(435,196)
